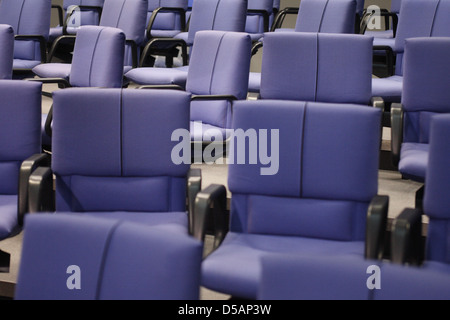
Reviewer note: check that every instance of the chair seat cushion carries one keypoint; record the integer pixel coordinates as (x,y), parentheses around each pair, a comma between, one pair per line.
(158,76)
(414,160)
(384,34)
(390,88)
(53,70)
(8,216)
(206,132)
(221,273)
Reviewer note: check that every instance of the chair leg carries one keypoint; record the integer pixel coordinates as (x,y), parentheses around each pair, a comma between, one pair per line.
(5,259)
(419,197)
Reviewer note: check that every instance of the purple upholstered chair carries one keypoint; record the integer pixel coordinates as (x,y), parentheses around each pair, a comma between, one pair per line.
(427,275)
(112,155)
(166,18)
(223,15)
(127,15)
(6,51)
(73,257)
(315,75)
(260,15)
(418,18)
(425,93)
(20,138)
(324,16)
(30,20)
(311,198)
(97,62)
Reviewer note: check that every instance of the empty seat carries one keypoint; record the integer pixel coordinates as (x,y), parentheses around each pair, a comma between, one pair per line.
(30,20)
(72,257)
(20,114)
(310,197)
(425,94)
(112,156)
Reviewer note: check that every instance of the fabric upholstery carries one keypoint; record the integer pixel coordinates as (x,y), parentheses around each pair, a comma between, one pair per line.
(117,261)
(6,51)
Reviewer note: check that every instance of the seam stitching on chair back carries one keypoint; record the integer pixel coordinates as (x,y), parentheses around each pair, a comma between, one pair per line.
(214,64)
(215,13)
(323,14)
(301,150)
(20,17)
(317,67)
(120,14)
(103,260)
(121,132)
(93,55)
(434,17)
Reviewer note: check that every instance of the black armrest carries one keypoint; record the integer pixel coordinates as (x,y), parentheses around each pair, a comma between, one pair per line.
(214,97)
(60,11)
(406,237)
(214,198)
(279,19)
(65,37)
(155,12)
(262,13)
(161,86)
(26,169)
(194,185)
(396,132)
(42,43)
(389,57)
(134,52)
(376,227)
(256,46)
(40,191)
(62,83)
(171,42)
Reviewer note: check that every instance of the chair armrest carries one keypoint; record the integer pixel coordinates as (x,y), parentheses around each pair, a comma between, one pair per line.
(214,198)
(376,227)
(161,86)
(389,57)
(255,48)
(396,131)
(155,12)
(62,83)
(406,238)
(26,169)
(279,19)
(214,97)
(40,191)
(42,43)
(265,16)
(171,42)
(60,11)
(65,37)
(194,185)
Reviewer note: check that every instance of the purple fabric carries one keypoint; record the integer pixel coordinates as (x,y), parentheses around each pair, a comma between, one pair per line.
(8,215)
(53,70)
(116,153)
(6,51)
(414,160)
(158,76)
(317,76)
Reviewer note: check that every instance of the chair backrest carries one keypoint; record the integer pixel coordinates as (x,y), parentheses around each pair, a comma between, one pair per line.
(312,74)
(73,257)
(6,51)
(84,15)
(224,15)
(425,89)
(27,17)
(420,18)
(395,6)
(20,117)
(330,16)
(303,173)
(98,57)
(111,149)
(437,187)
(219,65)
(166,23)
(130,16)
